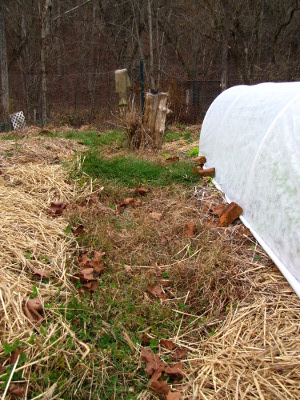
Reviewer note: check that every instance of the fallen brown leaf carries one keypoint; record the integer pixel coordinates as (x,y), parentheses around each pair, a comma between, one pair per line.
(172,159)
(173,396)
(189,228)
(176,369)
(167,344)
(156,291)
(42,273)
(33,309)
(137,203)
(155,215)
(56,208)
(142,191)
(14,355)
(78,231)
(86,275)
(145,340)
(89,287)
(92,259)
(160,387)
(179,354)
(153,362)
(17,390)
(97,265)
(127,202)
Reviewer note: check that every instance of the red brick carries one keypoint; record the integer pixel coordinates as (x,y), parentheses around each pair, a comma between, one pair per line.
(200,160)
(207,172)
(230,214)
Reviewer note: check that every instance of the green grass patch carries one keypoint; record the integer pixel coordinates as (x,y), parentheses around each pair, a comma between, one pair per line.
(131,171)
(174,136)
(194,152)
(90,138)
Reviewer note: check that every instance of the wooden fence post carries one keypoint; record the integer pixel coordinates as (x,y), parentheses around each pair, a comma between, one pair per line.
(155,117)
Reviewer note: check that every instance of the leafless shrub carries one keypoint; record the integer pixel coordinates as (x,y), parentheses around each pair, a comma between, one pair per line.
(137,137)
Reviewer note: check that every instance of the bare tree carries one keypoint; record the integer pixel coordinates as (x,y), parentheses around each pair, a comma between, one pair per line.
(4,68)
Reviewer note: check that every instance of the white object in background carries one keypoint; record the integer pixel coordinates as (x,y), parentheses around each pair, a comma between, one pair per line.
(18,120)
(251,135)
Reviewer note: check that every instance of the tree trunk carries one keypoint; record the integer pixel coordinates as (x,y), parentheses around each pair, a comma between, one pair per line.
(227,19)
(58,44)
(151,45)
(4,69)
(43,62)
(155,117)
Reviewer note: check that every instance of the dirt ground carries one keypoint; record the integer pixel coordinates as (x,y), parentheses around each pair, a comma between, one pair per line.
(211,302)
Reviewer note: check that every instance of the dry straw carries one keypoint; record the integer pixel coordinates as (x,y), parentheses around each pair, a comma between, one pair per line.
(254,353)
(30,240)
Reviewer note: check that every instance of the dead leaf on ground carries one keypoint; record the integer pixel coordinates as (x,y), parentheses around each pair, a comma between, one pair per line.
(17,390)
(175,369)
(127,202)
(145,340)
(33,309)
(92,259)
(155,368)
(155,215)
(153,362)
(189,228)
(89,287)
(160,387)
(42,273)
(167,344)
(179,354)
(86,275)
(173,396)
(14,355)
(172,159)
(142,191)
(156,291)
(56,208)
(78,231)
(137,203)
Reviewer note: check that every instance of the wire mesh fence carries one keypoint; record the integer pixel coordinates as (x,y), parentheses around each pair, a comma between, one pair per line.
(84,98)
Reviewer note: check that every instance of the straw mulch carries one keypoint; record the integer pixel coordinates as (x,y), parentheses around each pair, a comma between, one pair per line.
(37,150)
(32,240)
(254,353)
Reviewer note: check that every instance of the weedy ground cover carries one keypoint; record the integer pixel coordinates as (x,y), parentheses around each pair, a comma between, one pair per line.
(190,297)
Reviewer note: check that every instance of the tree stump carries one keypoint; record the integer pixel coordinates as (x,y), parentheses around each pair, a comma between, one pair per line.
(155,117)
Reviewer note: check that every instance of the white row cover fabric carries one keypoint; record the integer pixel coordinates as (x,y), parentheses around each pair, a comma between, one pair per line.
(251,135)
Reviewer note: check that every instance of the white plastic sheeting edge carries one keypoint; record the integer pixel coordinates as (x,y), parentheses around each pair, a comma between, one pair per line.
(285,272)
(251,135)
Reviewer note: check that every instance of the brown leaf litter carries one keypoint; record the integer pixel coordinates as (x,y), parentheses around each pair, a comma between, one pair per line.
(155,368)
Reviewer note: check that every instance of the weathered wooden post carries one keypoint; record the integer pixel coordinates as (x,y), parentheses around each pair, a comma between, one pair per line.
(122,86)
(155,117)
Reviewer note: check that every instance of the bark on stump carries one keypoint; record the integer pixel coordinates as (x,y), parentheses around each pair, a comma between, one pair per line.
(155,117)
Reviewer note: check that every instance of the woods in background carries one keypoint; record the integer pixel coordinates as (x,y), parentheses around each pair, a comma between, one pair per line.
(61,54)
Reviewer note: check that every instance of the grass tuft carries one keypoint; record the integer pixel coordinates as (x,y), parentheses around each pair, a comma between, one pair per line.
(132,171)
